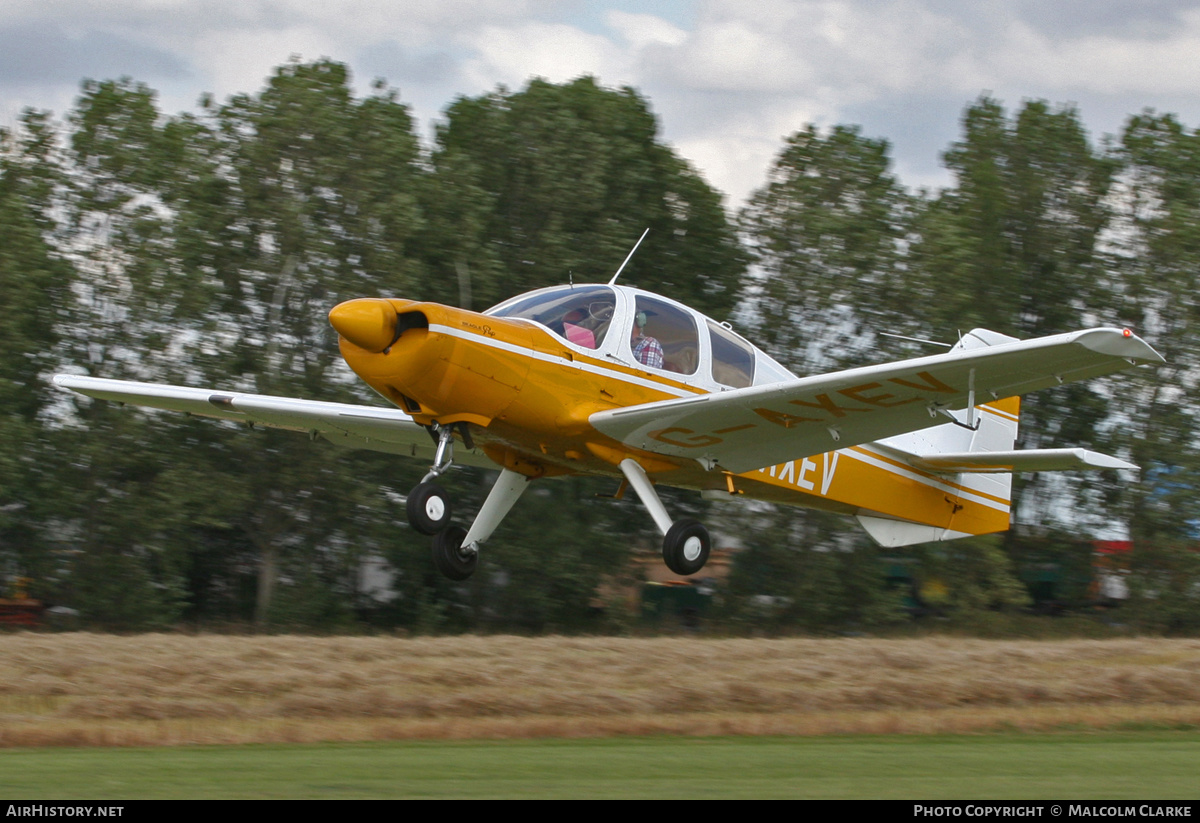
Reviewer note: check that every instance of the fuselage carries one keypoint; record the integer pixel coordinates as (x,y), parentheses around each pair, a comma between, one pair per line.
(527,374)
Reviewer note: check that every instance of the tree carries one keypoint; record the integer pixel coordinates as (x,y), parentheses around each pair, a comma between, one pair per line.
(311,200)
(209,249)
(34,284)
(1015,247)
(535,188)
(826,236)
(1029,206)
(1154,262)
(557,182)
(121,566)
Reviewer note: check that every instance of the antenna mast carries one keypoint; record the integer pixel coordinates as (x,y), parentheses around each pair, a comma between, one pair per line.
(631,251)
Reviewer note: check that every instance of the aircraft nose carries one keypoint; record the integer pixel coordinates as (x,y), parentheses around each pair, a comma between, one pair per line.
(369,323)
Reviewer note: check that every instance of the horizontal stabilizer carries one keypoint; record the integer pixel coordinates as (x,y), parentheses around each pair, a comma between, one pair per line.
(1021,460)
(894,533)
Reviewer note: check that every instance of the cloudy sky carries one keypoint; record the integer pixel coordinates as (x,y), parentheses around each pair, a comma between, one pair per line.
(727,78)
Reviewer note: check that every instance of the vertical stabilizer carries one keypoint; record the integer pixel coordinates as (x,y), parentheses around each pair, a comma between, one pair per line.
(978,503)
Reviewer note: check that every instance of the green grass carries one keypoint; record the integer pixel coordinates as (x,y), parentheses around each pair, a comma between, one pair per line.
(1144,765)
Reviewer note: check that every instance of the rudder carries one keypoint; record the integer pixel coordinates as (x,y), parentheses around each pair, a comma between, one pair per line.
(981,502)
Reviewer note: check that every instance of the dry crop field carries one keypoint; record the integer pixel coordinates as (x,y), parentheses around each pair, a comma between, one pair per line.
(168,689)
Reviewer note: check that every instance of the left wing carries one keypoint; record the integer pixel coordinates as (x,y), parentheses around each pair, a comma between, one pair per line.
(760,426)
(359,427)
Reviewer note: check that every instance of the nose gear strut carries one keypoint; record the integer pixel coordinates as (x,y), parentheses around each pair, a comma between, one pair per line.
(455,549)
(428,505)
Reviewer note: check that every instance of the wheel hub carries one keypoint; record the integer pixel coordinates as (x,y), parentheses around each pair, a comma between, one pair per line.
(435,508)
(692,548)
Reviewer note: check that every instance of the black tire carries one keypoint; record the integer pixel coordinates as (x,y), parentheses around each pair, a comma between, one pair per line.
(428,508)
(686,547)
(449,557)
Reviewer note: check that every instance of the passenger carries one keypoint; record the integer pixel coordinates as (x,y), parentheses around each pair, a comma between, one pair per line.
(646,349)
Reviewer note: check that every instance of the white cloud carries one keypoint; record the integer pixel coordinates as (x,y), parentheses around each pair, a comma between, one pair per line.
(557,52)
(728,83)
(1145,64)
(239,61)
(342,15)
(736,55)
(645,30)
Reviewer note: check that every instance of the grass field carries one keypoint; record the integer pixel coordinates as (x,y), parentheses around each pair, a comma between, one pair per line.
(86,716)
(1096,766)
(171,689)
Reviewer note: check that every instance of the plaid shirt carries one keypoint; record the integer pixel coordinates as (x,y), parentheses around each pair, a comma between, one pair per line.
(649,353)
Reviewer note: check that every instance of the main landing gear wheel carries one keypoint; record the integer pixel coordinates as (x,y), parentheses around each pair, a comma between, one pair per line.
(686,547)
(449,556)
(428,508)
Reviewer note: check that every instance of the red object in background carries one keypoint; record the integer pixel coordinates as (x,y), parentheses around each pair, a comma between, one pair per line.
(21,612)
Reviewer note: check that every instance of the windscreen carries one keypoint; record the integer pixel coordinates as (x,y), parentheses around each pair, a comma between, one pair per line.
(580,315)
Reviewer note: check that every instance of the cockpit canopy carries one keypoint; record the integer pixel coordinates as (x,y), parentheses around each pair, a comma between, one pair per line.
(581,315)
(653,332)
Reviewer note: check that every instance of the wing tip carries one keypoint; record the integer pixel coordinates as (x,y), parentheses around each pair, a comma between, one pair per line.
(1099,460)
(1120,343)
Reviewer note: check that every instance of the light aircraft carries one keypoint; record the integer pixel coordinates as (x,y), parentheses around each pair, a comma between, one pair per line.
(613,380)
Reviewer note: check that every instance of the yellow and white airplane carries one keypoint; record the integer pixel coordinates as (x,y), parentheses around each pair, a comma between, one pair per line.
(613,380)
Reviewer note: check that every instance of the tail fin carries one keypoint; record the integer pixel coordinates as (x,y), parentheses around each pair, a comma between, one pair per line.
(981,500)
(972,466)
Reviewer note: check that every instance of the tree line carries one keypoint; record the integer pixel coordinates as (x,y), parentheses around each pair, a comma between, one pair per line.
(206,248)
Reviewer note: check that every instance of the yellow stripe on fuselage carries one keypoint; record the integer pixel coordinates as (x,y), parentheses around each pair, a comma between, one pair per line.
(554,353)
(862,478)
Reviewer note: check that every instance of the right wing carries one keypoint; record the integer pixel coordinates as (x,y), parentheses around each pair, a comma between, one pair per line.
(343,424)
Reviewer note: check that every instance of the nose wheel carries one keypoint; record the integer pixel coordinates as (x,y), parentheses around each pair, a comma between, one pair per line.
(428,505)
(428,508)
(456,550)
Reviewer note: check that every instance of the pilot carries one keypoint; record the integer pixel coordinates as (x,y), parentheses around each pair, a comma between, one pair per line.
(646,349)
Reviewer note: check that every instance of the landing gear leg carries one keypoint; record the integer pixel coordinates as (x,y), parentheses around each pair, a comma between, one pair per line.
(686,543)
(455,550)
(428,505)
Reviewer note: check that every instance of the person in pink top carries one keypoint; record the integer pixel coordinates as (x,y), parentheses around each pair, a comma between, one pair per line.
(577,334)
